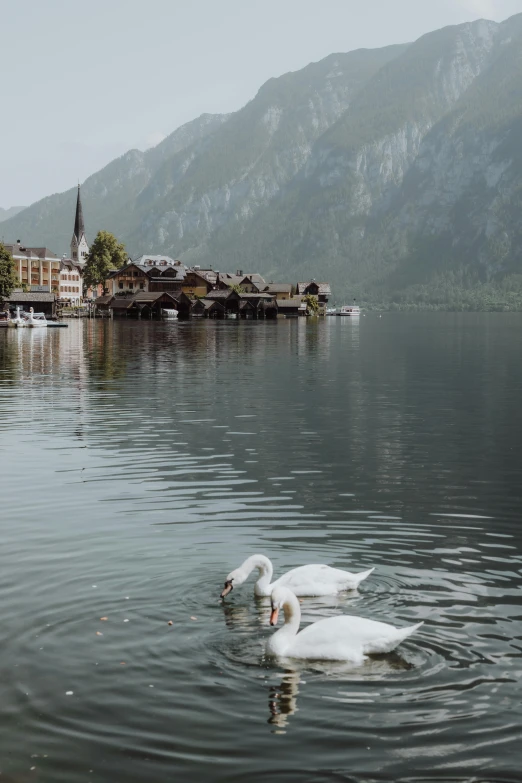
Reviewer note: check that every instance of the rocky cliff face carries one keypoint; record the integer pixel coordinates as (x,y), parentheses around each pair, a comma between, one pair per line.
(391,172)
(418,184)
(254,156)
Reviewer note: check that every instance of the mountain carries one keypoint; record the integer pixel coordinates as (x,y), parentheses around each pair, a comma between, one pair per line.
(212,170)
(394,173)
(413,195)
(109,196)
(5,214)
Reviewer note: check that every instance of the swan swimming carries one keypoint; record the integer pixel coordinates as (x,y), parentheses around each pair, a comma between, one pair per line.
(311,580)
(341,638)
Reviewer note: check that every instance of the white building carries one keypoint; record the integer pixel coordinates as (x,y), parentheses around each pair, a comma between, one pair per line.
(71,284)
(36,267)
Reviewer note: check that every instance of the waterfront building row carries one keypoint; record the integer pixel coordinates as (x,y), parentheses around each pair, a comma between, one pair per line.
(218,303)
(212,293)
(156,274)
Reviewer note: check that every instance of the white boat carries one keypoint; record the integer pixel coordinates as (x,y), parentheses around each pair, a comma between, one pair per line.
(169,312)
(34,320)
(350,310)
(18,321)
(331,311)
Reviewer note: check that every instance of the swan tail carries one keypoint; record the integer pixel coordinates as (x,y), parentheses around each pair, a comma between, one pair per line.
(389,643)
(409,631)
(356,579)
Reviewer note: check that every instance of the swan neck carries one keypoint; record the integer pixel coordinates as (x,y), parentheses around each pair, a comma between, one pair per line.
(292,612)
(282,640)
(265,568)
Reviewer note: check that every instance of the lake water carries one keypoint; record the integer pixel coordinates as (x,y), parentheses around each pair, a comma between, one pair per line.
(141,462)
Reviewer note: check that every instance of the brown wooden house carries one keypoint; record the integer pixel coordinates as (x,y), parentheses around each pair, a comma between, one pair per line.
(279,290)
(146,304)
(253,284)
(291,308)
(231,303)
(41,302)
(321,290)
(197,283)
(157,273)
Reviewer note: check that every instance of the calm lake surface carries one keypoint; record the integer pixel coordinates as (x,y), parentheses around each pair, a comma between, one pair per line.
(141,462)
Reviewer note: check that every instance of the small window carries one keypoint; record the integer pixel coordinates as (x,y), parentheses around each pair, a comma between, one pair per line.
(141,286)
(121,285)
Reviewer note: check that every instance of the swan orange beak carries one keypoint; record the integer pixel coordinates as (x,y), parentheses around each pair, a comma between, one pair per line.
(227,589)
(273,617)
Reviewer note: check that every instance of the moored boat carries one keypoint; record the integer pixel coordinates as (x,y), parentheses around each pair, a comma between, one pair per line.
(18,320)
(350,310)
(169,313)
(34,320)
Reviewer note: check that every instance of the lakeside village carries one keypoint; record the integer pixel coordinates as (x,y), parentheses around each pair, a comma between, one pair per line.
(152,286)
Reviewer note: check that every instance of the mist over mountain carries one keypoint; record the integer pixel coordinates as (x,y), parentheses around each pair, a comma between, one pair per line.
(5,214)
(394,173)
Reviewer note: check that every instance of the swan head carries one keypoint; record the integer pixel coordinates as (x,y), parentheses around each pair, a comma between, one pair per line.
(234,579)
(280,596)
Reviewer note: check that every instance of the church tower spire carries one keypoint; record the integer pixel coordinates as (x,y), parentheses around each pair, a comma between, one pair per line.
(79,226)
(79,246)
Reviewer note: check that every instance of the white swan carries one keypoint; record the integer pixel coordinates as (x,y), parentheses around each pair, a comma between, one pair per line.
(312,580)
(342,638)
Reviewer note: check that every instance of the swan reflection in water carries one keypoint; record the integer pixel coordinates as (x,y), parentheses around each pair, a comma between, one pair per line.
(282,698)
(242,617)
(253,620)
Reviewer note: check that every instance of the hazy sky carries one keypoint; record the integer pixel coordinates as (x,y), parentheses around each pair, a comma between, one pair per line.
(82,82)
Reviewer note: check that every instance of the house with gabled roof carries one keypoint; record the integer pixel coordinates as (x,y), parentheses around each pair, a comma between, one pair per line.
(253,284)
(148,273)
(41,302)
(146,304)
(279,290)
(224,280)
(242,305)
(291,308)
(321,290)
(197,283)
(130,277)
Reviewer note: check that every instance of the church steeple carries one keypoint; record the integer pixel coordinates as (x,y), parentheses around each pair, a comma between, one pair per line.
(79,226)
(79,246)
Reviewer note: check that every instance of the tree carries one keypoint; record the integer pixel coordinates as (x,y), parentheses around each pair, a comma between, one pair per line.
(312,304)
(106,254)
(237,288)
(8,278)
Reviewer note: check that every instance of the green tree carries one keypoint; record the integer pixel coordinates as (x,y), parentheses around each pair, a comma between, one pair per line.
(8,278)
(237,288)
(312,304)
(106,254)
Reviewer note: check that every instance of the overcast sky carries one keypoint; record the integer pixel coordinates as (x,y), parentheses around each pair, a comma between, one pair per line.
(83,82)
